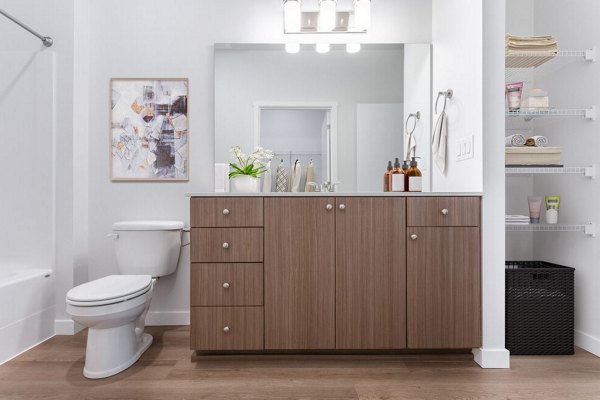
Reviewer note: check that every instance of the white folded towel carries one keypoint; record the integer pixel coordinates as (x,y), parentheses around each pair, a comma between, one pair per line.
(439,142)
(515,140)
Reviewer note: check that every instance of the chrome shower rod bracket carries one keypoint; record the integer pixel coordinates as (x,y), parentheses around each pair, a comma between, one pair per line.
(46,40)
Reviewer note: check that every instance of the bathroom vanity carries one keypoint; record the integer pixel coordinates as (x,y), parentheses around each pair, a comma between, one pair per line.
(335,271)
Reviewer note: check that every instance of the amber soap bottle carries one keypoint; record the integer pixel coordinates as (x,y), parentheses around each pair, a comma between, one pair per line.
(397,178)
(415,177)
(405,172)
(387,178)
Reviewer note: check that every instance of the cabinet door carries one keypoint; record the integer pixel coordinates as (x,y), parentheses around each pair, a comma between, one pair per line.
(299,267)
(443,287)
(370,273)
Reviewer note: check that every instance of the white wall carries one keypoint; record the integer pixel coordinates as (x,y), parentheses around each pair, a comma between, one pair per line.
(141,38)
(575,24)
(457,64)
(493,353)
(247,76)
(291,130)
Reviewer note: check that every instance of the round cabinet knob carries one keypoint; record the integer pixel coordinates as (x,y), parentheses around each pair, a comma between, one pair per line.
(414,236)
(225,245)
(226,285)
(445,211)
(226,329)
(342,207)
(329,207)
(225,212)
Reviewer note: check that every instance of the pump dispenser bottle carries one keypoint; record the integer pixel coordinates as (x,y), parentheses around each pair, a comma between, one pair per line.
(415,177)
(397,178)
(405,172)
(387,178)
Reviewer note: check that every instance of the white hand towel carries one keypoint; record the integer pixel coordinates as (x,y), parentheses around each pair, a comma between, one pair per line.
(516,140)
(281,178)
(296,177)
(267,178)
(310,175)
(439,142)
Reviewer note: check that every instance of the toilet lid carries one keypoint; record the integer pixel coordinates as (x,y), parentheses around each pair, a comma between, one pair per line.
(110,289)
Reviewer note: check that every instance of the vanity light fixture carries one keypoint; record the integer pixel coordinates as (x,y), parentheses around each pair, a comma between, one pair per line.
(353,48)
(327,15)
(292,15)
(362,14)
(322,48)
(292,48)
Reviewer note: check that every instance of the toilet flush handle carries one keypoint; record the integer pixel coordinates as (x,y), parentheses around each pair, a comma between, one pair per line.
(113,236)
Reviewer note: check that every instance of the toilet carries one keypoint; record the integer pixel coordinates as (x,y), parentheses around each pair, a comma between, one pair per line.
(114,308)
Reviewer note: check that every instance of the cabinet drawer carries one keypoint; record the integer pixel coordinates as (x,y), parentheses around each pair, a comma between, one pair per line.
(227,285)
(227,245)
(225,212)
(443,211)
(227,328)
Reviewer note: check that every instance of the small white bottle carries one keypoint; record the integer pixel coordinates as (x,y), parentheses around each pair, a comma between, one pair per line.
(552,215)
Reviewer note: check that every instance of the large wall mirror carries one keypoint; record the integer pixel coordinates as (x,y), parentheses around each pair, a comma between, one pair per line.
(345,114)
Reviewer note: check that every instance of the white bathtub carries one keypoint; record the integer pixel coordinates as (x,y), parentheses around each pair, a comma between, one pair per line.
(26,310)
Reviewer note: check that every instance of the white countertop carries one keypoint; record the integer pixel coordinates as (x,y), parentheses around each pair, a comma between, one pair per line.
(337,194)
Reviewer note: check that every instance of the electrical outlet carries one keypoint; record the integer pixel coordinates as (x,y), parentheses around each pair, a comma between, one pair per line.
(465,148)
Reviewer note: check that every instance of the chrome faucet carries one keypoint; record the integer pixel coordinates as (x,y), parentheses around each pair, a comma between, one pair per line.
(329,186)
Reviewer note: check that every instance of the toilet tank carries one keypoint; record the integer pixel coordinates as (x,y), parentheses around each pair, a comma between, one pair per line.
(147,247)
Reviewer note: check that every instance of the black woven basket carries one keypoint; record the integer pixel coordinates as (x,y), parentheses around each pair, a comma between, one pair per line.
(539,308)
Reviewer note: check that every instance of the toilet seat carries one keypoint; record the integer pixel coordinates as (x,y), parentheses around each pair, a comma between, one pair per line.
(109,290)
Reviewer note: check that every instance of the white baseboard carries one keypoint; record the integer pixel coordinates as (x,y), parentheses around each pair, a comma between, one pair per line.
(492,358)
(25,334)
(167,318)
(587,342)
(66,327)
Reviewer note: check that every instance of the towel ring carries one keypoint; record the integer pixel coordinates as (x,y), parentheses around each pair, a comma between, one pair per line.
(416,116)
(447,95)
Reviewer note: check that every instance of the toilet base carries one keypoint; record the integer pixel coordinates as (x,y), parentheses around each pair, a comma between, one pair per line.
(101,366)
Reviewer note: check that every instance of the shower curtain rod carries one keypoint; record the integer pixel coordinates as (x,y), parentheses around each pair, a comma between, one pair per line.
(47,40)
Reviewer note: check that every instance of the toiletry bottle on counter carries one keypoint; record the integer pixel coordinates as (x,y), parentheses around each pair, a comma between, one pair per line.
(387,177)
(397,178)
(552,206)
(415,177)
(405,172)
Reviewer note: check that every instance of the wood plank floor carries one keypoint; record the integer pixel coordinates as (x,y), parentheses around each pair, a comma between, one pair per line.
(53,370)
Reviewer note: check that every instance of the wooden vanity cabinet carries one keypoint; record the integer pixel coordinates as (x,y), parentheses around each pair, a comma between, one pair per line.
(335,273)
(299,273)
(443,273)
(370,273)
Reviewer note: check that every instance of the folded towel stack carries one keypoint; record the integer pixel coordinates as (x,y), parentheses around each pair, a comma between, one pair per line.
(537,141)
(519,140)
(540,48)
(517,220)
(515,140)
(516,45)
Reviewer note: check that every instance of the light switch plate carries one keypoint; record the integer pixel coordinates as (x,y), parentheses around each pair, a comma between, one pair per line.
(465,148)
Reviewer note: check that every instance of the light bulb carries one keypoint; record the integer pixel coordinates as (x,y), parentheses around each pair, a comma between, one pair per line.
(292,16)
(322,48)
(362,14)
(327,15)
(353,48)
(292,48)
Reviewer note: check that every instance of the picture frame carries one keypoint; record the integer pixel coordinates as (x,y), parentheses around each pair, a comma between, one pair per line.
(149,129)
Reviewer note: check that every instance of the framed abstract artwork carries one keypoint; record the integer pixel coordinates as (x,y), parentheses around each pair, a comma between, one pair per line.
(149,130)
